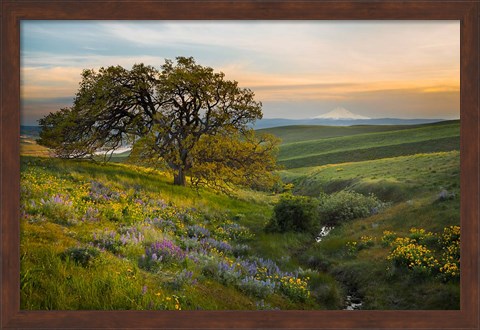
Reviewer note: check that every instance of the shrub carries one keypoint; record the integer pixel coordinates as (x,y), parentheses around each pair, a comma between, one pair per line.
(388,238)
(347,205)
(413,252)
(81,255)
(295,213)
(215,244)
(131,235)
(108,240)
(58,209)
(189,243)
(198,231)
(366,242)
(222,272)
(233,231)
(450,239)
(227,274)
(255,287)
(181,279)
(240,250)
(421,235)
(295,288)
(352,247)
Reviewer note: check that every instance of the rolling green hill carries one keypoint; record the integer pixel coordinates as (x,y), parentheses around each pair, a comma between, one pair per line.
(374,145)
(392,179)
(302,133)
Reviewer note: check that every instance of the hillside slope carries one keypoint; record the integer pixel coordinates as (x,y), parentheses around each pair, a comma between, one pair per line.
(373,145)
(124,237)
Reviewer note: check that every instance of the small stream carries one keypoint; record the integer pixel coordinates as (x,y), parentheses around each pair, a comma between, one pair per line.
(323,233)
(351,302)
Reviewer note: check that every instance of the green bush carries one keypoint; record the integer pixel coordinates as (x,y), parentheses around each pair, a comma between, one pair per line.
(81,255)
(295,213)
(347,205)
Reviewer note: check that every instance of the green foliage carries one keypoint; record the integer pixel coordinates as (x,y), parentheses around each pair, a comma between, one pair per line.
(233,159)
(450,240)
(388,237)
(426,253)
(295,213)
(295,288)
(255,287)
(184,117)
(345,206)
(83,256)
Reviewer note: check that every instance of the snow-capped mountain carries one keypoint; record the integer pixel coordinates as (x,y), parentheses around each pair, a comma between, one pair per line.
(340,114)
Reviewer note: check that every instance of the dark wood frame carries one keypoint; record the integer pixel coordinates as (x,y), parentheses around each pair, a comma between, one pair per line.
(12,11)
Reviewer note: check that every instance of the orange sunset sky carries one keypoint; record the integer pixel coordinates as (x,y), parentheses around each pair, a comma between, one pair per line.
(298,69)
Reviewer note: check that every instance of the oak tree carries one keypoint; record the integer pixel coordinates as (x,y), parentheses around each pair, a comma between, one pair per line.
(185,117)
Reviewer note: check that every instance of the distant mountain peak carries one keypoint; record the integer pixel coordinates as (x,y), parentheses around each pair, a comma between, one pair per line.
(340,113)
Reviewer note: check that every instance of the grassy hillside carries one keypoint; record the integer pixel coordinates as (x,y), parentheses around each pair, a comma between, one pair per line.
(383,259)
(391,179)
(115,236)
(120,237)
(416,171)
(301,133)
(366,146)
(28,147)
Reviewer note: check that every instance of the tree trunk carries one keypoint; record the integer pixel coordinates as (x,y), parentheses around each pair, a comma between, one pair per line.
(179,178)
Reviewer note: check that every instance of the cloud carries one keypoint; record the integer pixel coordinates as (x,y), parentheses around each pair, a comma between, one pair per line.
(307,63)
(44,78)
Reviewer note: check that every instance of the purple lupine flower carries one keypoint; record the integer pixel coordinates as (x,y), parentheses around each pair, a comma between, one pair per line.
(123,239)
(219,245)
(198,231)
(165,250)
(57,199)
(91,214)
(131,235)
(107,240)
(99,191)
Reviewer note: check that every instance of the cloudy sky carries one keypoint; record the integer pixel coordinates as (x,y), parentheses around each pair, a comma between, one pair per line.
(299,69)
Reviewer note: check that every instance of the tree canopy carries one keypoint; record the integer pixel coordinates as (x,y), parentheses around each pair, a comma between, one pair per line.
(184,117)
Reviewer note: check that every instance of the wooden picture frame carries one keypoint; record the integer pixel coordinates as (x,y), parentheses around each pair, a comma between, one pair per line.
(12,12)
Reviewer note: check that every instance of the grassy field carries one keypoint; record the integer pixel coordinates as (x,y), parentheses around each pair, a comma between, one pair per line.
(29,147)
(412,170)
(361,145)
(392,179)
(96,228)
(413,186)
(301,133)
(116,236)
